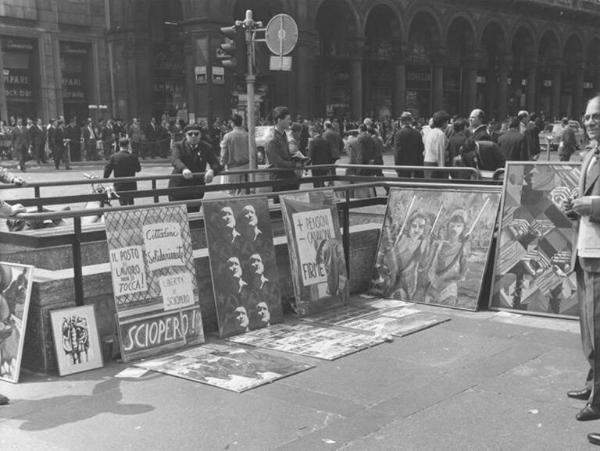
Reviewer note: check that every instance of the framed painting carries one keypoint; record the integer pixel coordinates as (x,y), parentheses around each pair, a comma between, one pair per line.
(76,339)
(242,263)
(532,271)
(15,295)
(435,244)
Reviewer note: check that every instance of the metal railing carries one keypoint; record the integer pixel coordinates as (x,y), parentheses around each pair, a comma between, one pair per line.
(76,235)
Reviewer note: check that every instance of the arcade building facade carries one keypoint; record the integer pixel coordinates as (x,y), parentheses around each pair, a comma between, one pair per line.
(354,58)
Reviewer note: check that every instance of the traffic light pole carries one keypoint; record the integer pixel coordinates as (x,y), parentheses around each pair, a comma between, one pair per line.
(250,81)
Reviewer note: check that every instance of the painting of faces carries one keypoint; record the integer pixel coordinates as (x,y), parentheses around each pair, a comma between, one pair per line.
(15,295)
(316,253)
(434,246)
(533,257)
(242,263)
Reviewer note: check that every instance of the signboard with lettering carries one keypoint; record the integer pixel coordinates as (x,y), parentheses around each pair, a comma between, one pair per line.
(316,252)
(154,280)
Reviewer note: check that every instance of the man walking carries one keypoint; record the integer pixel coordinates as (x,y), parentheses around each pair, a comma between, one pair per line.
(320,152)
(20,143)
(124,164)
(408,146)
(568,144)
(37,138)
(435,143)
(235,155)
(512,143)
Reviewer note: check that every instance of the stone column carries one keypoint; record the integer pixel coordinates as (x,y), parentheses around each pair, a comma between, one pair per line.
(399,99)
(357,79)
(578,106)
(304,67)
(556,90)
(470,81)
(531,84)
(504,70)
(437,79)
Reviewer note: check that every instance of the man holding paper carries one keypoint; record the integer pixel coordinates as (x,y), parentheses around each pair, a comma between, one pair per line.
(585,210)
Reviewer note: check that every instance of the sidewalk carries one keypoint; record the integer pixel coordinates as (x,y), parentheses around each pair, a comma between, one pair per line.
(483,380)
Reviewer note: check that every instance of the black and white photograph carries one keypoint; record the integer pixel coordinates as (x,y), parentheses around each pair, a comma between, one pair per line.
(242,262)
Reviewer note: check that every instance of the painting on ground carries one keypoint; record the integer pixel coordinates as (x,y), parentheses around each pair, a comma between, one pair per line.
(242,263)
(228,367)
(532,272)
(154,280)
(316,253)
(434,245)
(15,294)
(76,339)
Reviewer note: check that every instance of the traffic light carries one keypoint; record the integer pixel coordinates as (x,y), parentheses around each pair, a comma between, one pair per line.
(232,50)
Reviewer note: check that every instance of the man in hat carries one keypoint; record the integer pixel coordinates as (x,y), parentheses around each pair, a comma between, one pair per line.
(190,156)
(408,146)
(124,164)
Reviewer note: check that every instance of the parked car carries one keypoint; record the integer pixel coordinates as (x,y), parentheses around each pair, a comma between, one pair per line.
(552,134)
(262,135)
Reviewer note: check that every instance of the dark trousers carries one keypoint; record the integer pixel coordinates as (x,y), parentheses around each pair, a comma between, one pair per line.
(564,156)
(434,174)
(60,154)
(588,292)
(22,157)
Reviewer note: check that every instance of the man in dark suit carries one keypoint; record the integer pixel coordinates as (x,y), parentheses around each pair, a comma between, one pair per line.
(124,164)
(408,146)
(37,138)
(72,136)
(320,152)
(88,139)
(192,155)
(483,155)
(568,144)
(585,210)
(513,144)
(478,125)
(20,143)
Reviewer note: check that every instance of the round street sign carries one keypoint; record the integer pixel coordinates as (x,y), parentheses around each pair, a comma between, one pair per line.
(281,34)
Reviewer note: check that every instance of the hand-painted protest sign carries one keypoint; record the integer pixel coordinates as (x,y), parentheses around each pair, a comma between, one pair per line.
(316,252)
(154,280)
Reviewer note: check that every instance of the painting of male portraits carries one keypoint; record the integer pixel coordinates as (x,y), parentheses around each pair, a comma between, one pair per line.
(316,251)
(533,256)
(434,245)
(242,263)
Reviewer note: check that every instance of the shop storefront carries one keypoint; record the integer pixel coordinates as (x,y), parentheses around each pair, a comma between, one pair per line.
(75,67)
(451,88)
(20,70)
(168,79)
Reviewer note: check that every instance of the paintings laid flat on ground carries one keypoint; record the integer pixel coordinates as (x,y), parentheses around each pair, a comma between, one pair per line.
(15,294)
(316,253)
(154,280)
(533,255)
(311,340)
(242,263)
(228,367)
(76,339)
(435,244)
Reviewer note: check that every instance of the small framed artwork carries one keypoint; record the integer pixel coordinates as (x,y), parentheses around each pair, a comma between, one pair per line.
(76,339)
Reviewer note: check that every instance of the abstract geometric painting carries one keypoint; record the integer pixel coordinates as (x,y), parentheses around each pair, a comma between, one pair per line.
(533,256)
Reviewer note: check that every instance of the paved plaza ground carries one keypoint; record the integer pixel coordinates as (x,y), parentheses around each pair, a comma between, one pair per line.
(484,380)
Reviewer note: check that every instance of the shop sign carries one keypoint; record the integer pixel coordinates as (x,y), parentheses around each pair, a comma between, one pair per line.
(73,86)
(418,77)
(588,85)
(17,84)
(17,44)
(74,48)
(547,83)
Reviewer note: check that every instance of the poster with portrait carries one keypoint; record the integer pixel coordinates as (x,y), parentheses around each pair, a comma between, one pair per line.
(316,253)
(76,339)
(228,367)
(435,244)
(532,271)
(154,280)
(15,295)
(242,264)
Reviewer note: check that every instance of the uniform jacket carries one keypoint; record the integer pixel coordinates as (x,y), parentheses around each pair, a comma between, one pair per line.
(37,137)
(194,159)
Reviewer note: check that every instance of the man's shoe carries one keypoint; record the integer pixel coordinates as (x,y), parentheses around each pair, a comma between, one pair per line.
(4,400)
(583,394)
(594,438)
(589,412)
